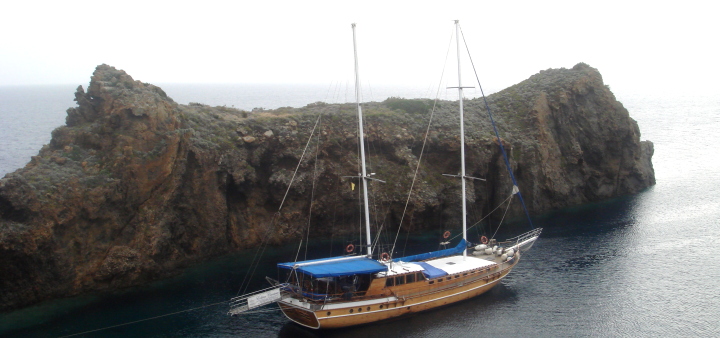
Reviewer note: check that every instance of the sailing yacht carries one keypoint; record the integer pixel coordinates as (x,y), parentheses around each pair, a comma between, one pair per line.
(345,291)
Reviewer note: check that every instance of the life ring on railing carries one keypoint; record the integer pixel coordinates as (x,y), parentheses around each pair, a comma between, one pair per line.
(350,248)
(483,240)
(446,234)
(385,257)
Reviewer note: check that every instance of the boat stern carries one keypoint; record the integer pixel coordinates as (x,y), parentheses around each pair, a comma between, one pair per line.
(302,316)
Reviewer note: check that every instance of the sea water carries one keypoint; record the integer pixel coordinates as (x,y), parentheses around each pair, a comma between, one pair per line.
(641,265)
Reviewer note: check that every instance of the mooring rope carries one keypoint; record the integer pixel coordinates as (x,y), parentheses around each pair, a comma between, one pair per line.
(143,320)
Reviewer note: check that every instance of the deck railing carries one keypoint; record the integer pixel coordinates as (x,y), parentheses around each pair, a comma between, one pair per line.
(523,237)
(255,299)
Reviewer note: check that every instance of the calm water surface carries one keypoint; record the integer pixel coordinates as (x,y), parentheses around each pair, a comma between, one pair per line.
(635,266)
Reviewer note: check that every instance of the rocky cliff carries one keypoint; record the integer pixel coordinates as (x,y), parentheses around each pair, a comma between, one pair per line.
(135,186)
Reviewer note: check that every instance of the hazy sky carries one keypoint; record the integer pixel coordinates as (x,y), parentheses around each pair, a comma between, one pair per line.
(632,43)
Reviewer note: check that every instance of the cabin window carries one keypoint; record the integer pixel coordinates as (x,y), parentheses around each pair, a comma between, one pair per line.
(449,277)
(432,282)
(420,276)
(389,281)
(410,278)
(457,276)
(368,308)
(399,280)
(351,310)
(440,280)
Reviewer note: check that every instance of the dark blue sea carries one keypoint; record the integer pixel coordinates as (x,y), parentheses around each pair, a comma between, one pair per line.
(641,265)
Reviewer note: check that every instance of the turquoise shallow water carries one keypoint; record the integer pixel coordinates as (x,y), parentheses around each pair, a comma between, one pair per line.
(639,265)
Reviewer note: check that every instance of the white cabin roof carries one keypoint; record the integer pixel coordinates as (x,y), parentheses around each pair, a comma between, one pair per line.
(456,264)
(451,265)
(399,268)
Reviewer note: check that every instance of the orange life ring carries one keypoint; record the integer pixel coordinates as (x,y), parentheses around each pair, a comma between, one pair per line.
(350,248)
(483,240)
(446,234)
(384,256)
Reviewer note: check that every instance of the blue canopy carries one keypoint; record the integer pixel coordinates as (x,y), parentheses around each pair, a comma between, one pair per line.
(336,266)
(431,271)
(441,253)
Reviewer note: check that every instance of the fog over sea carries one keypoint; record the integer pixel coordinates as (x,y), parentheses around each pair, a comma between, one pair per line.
(641,265)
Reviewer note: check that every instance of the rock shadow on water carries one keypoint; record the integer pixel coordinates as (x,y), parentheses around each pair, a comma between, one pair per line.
(589,220)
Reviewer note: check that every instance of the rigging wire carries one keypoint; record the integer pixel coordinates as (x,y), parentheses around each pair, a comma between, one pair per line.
(360,180)
(502,148)
(256,258)
(359,197)
(292,179)
(486,216)
(501,220)
(334,219)
(327,94)
(332,227)
(407,234)
(299,162)
(422,150)
(312,193)
(377,198)
(266,236)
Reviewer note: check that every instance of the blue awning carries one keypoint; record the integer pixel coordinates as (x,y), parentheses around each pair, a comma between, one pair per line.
(435,254)
(336,266)
(431,271)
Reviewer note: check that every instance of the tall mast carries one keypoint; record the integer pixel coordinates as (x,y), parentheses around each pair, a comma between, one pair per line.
(363,175)
(462,137)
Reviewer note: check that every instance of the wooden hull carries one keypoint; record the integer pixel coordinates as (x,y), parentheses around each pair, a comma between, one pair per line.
(358,313)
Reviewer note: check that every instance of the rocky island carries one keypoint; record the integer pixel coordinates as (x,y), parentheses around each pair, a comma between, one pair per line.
(136,186)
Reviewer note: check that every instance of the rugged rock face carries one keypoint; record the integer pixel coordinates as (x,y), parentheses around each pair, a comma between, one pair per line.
(135,186)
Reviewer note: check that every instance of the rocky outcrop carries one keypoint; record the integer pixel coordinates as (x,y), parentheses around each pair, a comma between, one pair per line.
(135,186)
(583,147)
